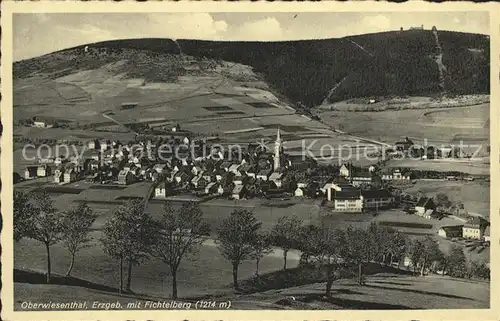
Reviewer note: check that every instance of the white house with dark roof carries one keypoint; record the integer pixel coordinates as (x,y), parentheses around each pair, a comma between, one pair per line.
(162,190)
(348,201)
(344,171)
(30,172)
(424,204)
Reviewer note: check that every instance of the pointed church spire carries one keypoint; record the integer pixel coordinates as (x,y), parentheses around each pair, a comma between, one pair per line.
(277,151)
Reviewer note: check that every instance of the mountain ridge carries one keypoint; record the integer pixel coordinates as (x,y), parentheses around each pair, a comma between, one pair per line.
(395,63)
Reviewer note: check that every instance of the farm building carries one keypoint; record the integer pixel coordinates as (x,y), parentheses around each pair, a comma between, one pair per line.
(451,231)
(417,28)
(423,205)
(474,228)
(348,201)
(30,172)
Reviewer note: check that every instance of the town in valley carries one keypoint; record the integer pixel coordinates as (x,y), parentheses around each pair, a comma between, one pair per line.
(342,173)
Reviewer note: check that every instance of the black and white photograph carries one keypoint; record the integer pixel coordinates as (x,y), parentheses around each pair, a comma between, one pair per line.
(250,160)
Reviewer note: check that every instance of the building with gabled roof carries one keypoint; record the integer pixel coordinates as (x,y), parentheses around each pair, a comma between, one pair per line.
(30,172)
(423,205)
(163,189)
(377,199)
(451,231)
(474,228)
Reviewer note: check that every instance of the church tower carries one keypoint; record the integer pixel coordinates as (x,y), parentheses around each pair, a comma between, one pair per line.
(277,151)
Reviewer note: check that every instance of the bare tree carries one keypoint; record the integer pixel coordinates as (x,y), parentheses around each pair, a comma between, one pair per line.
(235,239)
(286,233)
(180,235)
(76,223)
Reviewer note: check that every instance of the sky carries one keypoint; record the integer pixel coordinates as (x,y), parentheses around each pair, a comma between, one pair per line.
(36,34)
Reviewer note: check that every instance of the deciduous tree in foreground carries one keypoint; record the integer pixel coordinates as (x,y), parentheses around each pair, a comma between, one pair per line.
(129,236)
(261,247)
(180,235)
(76,223)
(23,214)
(45,224)
(286,233)
(235,239)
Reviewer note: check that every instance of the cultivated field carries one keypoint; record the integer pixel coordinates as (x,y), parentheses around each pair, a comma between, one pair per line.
(479,166)
(438,126)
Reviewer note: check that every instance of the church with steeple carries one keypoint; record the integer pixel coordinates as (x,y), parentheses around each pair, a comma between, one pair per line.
(278,152)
